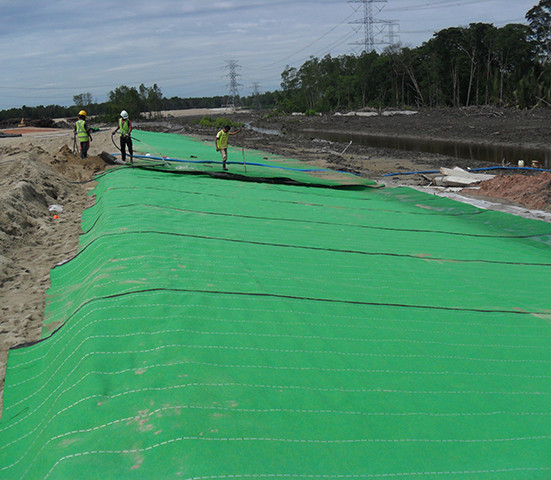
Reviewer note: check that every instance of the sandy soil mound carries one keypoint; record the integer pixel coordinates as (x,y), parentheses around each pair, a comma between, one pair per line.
(76,169)
(533,192)
(32,241)
(31,181)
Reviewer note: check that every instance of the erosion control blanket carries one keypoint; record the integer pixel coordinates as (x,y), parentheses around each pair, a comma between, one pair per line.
(182,154)
(215,329)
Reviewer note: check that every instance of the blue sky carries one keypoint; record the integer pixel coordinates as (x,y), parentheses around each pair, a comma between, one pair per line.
(54,49)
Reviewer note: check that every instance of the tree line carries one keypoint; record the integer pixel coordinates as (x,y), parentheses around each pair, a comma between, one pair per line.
(136,101)
(460,66)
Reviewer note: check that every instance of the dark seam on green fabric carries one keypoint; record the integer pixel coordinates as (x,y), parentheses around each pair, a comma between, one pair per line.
(327,300)
(334,250)
(317,222)
(280,296)
(188,192)
(367,227)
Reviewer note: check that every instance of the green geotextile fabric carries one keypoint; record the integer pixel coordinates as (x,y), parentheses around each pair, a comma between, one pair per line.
(197,156)
(215,329)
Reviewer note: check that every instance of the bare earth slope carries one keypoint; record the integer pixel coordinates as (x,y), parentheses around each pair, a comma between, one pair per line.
(35,174)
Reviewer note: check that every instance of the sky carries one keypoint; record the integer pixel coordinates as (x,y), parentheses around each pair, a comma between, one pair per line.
(51,50)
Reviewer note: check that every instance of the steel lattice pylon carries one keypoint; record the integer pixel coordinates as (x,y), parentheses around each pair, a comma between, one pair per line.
(232,67)
(369,22)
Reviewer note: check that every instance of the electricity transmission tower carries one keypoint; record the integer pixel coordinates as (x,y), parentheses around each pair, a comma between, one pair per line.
(232,66)
(392,37)
(373,28)
(256,95)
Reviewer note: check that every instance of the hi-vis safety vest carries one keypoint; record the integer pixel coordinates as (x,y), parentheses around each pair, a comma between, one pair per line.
(81,131)
(124,126)
(222,139)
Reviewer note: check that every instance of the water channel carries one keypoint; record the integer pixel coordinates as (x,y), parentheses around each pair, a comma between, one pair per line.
(496,154)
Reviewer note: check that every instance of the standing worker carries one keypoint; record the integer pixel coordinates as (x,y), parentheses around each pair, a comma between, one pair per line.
(221,143)
(84,134)
(125,126)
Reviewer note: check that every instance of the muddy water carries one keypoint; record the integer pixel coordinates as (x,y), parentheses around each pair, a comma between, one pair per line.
(497,154)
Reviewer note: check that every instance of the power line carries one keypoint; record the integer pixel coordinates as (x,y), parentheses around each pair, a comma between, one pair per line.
(336,43)
(312,43)
(439,4)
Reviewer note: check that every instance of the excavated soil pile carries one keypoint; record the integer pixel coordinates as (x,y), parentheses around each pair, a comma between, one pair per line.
(533,191)
(32,241)
(74,168)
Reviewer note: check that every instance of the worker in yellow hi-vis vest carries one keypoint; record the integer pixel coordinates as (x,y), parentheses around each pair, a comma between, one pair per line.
(125,127)
(84,134)
(221,142)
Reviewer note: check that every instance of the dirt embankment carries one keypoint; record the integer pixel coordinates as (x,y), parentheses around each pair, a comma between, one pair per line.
(530,191)
(38,172)
(476,124)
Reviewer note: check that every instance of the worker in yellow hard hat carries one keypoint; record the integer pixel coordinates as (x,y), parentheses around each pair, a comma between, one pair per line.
(84,134)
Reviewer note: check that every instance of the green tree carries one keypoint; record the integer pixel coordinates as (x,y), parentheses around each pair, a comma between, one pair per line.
(310,82)
(452,63)
(365,78)
(290,85)
(474,44)
(125,98)
(151,97)
(513,57)
(539,19)
(409,71)
(83,99)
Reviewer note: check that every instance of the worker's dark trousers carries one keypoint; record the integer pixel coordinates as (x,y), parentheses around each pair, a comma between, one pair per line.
(126,140)
(84,146)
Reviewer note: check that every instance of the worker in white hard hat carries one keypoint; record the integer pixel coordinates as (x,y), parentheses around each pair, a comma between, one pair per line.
(125,127)
(84,134)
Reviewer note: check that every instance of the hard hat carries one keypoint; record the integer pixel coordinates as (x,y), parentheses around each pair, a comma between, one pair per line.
(124,114)
(82,112)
